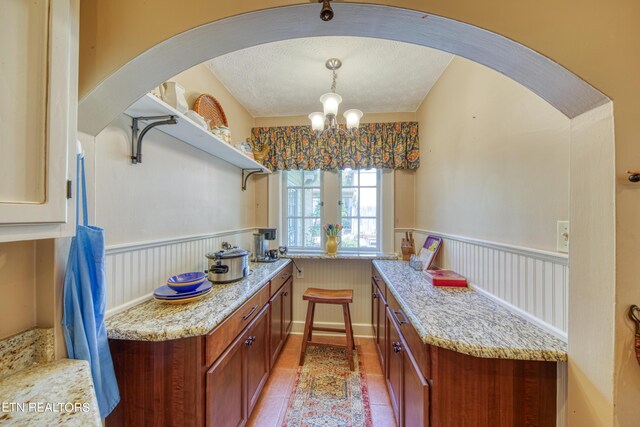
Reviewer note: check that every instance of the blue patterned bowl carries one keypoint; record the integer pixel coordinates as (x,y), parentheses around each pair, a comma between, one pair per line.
(186,282)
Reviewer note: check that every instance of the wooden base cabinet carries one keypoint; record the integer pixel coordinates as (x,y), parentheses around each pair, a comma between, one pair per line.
(429,385)
(281,309)
(234,382)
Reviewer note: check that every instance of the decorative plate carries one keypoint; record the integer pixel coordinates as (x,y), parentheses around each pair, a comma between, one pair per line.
(183,300)
(209,108)
(165,292)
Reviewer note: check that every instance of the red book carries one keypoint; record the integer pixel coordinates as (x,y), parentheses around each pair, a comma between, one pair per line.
(446,278)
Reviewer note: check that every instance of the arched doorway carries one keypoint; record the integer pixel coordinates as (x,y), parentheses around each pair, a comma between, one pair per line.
(592,287)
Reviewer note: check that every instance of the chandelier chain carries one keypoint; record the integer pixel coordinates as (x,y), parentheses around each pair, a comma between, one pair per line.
(333,83)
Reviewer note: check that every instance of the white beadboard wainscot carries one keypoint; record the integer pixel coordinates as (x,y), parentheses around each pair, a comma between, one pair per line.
(135,270)
(530,282)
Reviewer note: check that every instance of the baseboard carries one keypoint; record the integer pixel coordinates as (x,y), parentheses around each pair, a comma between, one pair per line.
(361,330)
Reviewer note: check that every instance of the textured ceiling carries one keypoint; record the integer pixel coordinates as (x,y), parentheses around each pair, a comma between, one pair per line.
(286,78)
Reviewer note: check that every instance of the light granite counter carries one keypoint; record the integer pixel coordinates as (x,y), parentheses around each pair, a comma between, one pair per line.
(56,393)
(25,349)
(466,321)
(157,321)
(342,255)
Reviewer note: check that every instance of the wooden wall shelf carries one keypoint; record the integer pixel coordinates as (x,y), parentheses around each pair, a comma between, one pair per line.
(191,133)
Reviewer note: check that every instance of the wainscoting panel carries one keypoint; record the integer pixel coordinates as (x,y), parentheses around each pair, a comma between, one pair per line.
(334,274)
(533,283)
(135,270)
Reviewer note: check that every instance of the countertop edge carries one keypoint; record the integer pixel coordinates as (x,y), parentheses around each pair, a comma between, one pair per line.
(161,336)
(482,352)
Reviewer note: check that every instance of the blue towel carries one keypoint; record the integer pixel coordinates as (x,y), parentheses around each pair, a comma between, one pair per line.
(84,303)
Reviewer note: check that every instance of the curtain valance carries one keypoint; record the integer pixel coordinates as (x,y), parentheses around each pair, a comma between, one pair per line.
(375,145)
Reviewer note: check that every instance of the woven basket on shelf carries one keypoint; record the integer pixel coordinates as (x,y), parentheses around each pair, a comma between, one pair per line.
(209,108)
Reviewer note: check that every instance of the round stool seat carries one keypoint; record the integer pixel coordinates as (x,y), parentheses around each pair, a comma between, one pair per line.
(328,296)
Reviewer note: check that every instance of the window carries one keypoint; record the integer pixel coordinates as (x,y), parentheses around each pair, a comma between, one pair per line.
(359,201)
(303,209)
(350,197)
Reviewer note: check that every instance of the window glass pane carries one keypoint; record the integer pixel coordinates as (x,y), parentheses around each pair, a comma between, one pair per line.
(349,232)
(312,178)
(294,202)
(312,232)
(368,177)
(349,178)
(349,202)
(312,202)
(294,232)
(368,201)
(294,178)
(368,233)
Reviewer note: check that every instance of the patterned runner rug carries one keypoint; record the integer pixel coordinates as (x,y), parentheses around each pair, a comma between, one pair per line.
(327,394)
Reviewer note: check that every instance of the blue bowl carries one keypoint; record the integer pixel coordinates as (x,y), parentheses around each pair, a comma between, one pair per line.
(186,282)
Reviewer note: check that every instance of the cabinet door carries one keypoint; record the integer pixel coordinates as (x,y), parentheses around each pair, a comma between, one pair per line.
(395,361)
(415,396)
(38,102)
(256,342)
(287,303)
(380,323)
(225,389)
(276,336)
(375,309)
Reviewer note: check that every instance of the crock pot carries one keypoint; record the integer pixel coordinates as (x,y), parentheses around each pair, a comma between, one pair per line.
(228,266)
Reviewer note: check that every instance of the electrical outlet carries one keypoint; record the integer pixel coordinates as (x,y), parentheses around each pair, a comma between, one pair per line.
(300,273)
(562,236)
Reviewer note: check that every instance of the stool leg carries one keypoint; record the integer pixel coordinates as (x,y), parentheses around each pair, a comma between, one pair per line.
(351,327)
(347,327)
(307,326)
(313,316)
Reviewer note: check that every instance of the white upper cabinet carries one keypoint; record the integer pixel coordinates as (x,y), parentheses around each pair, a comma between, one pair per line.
(38,109)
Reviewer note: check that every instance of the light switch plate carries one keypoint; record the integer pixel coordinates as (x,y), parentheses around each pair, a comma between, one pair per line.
(562,236)
(300,273)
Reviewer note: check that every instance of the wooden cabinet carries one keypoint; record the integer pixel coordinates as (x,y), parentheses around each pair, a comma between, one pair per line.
(432,385)
(378,321)
(225,389)
(38,104)
(281,313)
(212,380)
(235,380)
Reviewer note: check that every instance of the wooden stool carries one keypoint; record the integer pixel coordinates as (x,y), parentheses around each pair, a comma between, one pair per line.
(315,296)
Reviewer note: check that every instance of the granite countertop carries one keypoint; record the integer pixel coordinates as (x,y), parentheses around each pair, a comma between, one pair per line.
(467,321)
(157,321)
(56,393)
(342,255)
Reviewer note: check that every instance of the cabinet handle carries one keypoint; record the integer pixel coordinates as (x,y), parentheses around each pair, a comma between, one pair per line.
(246,316)
(397,347)
(401,322)
(286,294)
(374,295)
(249,341)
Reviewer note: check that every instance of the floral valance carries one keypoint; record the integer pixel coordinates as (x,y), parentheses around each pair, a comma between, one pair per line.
(374,145)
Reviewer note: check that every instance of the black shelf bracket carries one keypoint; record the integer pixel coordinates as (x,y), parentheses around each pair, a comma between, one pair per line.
(246,173)
(136,138)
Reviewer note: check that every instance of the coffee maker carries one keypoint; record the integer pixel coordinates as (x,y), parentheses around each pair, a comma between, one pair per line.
(261,241)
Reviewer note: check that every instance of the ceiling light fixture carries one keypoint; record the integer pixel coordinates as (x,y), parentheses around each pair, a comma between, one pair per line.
(326,13)
(326,121)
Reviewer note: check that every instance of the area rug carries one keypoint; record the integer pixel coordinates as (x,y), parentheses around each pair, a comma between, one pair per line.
(327,394)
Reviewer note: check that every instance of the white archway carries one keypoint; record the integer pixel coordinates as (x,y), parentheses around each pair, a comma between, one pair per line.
(561,88)
(592,258)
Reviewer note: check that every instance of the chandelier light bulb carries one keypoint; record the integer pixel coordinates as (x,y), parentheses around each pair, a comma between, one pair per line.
(353,117)
(330,102)
(317,121)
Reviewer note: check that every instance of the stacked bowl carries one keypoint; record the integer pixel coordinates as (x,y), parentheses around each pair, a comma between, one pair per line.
(185,287)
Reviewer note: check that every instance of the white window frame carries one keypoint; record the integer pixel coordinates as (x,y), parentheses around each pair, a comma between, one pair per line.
(378,217)
(285,216)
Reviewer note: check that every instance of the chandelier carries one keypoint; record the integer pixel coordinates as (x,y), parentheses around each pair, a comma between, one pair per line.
(327,121)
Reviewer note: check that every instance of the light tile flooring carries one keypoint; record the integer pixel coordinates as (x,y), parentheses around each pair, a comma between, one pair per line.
(271,408)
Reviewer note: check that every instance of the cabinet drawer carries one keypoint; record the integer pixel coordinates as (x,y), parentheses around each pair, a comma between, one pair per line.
(420,350)
(377,279)
(227,331)
(280,278)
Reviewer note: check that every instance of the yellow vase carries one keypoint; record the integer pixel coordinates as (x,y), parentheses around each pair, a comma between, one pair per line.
(332,245)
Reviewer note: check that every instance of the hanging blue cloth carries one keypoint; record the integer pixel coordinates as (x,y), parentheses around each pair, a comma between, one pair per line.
(84,302)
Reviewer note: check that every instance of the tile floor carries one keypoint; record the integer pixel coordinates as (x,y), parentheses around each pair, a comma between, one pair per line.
(271,407)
